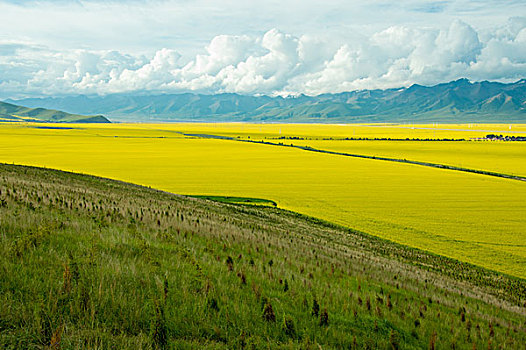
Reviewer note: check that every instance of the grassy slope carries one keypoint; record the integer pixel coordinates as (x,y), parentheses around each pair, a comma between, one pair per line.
(14,113)
(94,263)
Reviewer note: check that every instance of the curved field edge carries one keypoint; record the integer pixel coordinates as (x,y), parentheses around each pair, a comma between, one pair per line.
(94,262)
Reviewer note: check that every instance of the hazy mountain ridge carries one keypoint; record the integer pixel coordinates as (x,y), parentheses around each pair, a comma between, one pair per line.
(456,101)
(14,113)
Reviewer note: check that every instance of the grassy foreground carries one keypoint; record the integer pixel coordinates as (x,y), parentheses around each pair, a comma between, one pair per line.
(94,263)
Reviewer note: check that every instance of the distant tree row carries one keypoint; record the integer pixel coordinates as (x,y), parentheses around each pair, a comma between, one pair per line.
(505,138)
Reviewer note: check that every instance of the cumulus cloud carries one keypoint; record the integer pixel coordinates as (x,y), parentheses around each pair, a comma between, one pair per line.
(275,63)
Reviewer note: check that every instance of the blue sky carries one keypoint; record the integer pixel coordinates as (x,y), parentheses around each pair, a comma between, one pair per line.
(271,47)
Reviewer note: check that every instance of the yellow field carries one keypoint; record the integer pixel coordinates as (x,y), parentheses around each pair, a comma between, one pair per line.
(496,156)
(470,217)
(320,131)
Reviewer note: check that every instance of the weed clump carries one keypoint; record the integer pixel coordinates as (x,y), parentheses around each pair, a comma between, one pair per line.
(315,308)
(288,327)
(324,318)
(158,329)
(394,340)
(230,263)
(242,277)
(213,305)
(66,276)
(432,341)
(268,313)
(56,338)
(389,304)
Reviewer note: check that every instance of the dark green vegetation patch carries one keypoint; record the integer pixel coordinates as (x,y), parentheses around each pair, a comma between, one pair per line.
(93,263)
(238,200)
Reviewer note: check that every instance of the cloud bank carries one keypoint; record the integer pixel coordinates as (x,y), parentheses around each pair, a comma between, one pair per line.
(275,62)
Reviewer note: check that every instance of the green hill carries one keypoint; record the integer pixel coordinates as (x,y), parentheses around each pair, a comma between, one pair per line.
(13,113)
(93,263)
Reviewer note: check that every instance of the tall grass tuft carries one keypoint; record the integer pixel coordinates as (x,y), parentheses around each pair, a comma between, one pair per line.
(324,318)
(315,308)
(268,313)
(56,338)
(288,327)
(158,330)
(394,340)
(66,276)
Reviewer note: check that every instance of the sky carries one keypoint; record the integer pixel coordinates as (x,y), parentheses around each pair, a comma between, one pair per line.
(287,47)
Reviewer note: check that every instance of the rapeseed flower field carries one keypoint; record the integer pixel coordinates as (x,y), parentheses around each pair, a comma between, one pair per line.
(470,217)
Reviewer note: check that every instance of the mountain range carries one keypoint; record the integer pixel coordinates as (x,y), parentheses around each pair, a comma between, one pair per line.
(456,101)
(14,113)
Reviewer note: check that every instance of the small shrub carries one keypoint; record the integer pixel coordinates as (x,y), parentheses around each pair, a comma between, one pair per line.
(66,276)
(491,330)
(288,327)
(213,305)
(414,334)
(165,288)
(158,331)
(432,341)
(394,340)
(268,313)
(378,311)
(389,304)
(324,318)
(315,308)
(56,338)
(257,290)
(242,277)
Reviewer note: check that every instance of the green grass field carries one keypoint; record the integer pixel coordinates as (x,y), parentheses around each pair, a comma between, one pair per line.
(99,264)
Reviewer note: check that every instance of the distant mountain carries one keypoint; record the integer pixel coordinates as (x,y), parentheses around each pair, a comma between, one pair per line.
(14,113)
(456,101)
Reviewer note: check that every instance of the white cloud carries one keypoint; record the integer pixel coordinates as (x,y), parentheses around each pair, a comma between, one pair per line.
(275,62)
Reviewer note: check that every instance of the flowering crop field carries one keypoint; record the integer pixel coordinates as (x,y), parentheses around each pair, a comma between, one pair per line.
(470,217)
